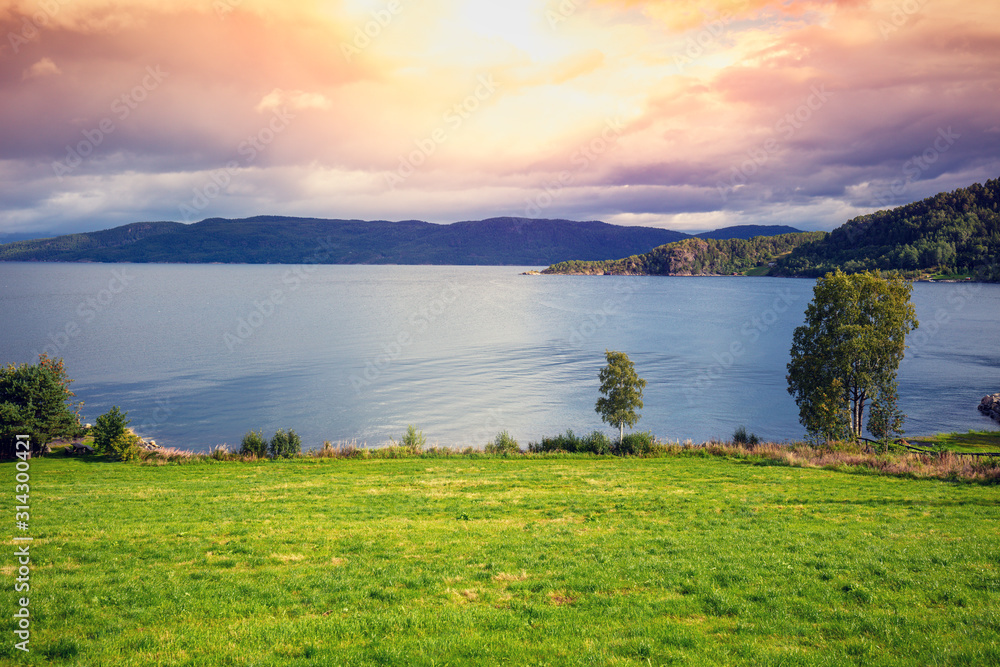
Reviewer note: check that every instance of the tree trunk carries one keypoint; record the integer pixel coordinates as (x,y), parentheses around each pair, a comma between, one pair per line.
(621,434)
(861,413)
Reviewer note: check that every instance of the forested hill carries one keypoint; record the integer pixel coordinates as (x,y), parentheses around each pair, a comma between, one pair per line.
(691,257)
(952,233)
(271,239)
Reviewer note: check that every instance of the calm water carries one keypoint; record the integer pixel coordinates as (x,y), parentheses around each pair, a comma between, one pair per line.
(200,354)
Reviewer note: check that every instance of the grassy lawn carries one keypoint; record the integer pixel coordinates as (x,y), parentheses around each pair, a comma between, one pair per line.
(491,561)
(973,441)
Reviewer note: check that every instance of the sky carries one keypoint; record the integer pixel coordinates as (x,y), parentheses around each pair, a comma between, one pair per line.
(666,113)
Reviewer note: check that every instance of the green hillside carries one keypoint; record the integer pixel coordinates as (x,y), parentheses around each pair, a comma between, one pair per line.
(693,257)
(953,233)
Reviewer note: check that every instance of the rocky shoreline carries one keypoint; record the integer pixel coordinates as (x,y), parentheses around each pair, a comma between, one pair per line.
(990,406)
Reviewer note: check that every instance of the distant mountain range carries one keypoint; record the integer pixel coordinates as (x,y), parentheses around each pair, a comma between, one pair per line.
(747,232)
(282,240)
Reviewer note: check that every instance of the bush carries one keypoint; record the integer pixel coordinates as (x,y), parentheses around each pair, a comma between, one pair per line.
(413,439)
(595,443)
(740,437)
(559,443)
(635,444)
(503,444)
(253,444)
(109,431)
(285,445)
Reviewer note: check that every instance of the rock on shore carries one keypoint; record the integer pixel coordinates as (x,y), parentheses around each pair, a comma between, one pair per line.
(990,406)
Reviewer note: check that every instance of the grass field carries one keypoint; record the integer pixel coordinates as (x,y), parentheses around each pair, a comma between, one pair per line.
(973,441)
(491,561)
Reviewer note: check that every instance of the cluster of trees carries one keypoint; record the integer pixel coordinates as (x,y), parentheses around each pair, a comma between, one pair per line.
(695,257)
(846,355)
(35,400)
(952,233)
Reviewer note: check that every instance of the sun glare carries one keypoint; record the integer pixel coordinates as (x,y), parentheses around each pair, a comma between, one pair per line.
(520,23)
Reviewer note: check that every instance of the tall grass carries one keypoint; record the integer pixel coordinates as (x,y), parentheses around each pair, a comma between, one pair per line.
(844,457)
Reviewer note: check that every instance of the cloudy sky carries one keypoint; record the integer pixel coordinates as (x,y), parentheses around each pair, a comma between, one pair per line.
(672,113)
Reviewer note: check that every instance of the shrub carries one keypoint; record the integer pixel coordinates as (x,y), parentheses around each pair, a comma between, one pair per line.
(413,439)
(559,443)
(503,444)
(285,445)
(635,444)
(740,437)
(253,444)
(126,446)
(596,443)
(109,430)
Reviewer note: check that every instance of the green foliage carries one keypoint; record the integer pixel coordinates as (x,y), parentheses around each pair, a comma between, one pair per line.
(109,429)
(503,443)
(284,444)
(636,444)
(740,437)
(126,447)
(413,438)
(847,353)
(622,389)
(595,443)
(695,256)
(35,400)
(253,444)
(112,436)
(952,233)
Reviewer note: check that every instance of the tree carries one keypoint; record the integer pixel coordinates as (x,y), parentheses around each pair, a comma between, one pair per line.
(35,400)
(112,435)
(622,390)
(847,354)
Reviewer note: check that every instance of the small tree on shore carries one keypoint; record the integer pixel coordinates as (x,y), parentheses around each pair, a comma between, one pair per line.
(112,435)
(847,354)
(285,444)
(253,444)
(622,389)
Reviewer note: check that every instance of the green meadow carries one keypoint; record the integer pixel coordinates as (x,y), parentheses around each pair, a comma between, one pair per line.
(973,441)
(531,560)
